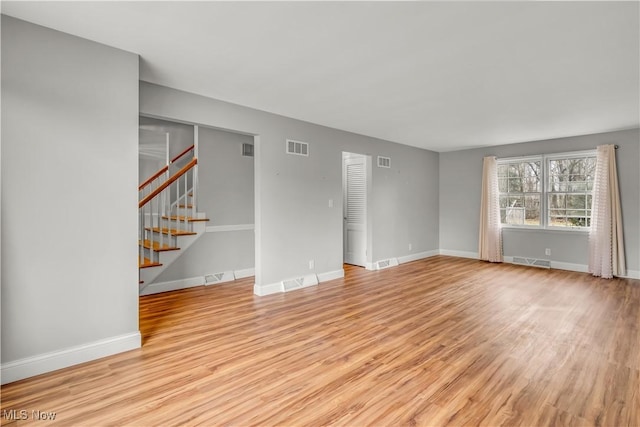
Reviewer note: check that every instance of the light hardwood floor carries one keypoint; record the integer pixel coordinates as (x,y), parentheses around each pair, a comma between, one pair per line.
(442,341)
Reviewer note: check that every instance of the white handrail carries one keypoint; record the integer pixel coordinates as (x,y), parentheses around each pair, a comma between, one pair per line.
(161,198)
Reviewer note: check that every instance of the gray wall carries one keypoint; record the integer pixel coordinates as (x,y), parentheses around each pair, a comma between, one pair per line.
(153,131)
(226,195)
(69,162)
(225,178)
(460,179)
(294,223)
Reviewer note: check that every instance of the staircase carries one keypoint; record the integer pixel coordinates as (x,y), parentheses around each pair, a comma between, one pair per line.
(168,218)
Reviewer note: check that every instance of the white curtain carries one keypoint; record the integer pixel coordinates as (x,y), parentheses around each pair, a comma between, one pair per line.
(490,242)
(606,244)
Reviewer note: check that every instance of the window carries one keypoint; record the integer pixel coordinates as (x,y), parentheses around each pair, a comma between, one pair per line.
(519,183)
(570,183)
(547,191)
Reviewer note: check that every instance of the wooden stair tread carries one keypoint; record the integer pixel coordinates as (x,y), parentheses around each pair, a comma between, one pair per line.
(146,263)
(156,246)
(174,232)
(185,206)
(182,218)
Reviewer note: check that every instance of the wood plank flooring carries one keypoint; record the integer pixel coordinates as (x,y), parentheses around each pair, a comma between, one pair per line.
(441,341)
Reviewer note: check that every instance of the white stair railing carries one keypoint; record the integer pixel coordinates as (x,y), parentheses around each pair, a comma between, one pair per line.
(159,213)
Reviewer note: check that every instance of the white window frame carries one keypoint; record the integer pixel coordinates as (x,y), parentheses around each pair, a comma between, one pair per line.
(544,194)
(570,155)
(542,189)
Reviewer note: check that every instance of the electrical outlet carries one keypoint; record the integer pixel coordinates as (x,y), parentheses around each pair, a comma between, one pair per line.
(330,203)
(312,264)
(410,246)
(547,251)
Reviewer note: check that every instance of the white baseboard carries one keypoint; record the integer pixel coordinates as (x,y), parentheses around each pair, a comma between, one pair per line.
(309,280)
(272,288)
(247,272)
(174,285)
(633,274)
(47,362)
(459,254)
(581,268)
(417,256)
(190,282)
(330,275)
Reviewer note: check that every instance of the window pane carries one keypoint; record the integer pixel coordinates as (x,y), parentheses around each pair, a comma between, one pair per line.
(514,179)
(576,201)
(556,201)
(515,210)
(577,186)
(574,177)
(532,185)
(515,185)
(558,222)
(576,222)
(532,209)
(532,169)
(515,216)
(502,185)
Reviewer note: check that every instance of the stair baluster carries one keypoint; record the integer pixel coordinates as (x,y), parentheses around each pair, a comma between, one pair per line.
(162,196)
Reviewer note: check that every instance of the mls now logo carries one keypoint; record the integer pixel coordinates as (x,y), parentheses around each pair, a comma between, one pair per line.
(15,415)
(23,415)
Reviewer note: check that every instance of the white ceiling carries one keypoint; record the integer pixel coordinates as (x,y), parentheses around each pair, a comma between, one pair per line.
(437,75)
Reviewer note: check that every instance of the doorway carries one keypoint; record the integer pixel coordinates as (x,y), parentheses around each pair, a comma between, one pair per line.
(356,223)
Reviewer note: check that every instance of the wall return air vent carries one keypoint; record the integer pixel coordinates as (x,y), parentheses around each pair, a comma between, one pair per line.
(247,150)
(214,278)
(542,263)
(386,263)
(298,148)
(299,282)
(384,162)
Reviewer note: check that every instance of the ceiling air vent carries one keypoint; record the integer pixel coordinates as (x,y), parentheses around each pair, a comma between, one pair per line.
(384,162)
(247,150)
(298,148)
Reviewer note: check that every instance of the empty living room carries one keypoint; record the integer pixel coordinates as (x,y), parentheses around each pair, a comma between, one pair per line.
(348,213)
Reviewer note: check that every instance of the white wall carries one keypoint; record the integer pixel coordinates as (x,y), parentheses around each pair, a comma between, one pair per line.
(294,223)
(69,163)
(460,181)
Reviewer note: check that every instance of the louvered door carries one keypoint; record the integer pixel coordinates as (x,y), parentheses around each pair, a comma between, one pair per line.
(355,211)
